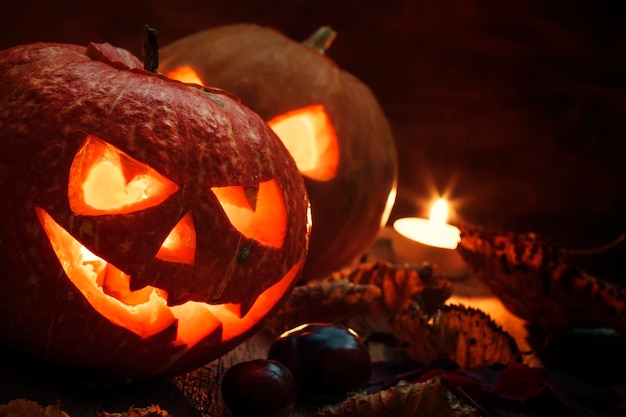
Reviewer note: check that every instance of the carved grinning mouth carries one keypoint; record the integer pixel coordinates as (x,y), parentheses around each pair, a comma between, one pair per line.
(145,311)
(104,181)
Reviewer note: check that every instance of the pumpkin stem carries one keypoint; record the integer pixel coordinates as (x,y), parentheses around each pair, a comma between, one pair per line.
(321,39)
(150,49)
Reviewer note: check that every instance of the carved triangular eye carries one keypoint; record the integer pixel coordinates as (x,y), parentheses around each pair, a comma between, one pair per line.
(105,180)
(258,213)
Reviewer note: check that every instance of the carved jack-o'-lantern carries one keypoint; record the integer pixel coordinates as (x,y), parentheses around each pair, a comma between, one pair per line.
(330,121)
(148,226)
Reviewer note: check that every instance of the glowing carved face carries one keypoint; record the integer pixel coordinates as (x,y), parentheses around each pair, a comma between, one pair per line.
(149,225)
(104,181)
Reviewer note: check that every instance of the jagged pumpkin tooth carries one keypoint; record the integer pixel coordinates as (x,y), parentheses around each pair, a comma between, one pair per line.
(536,280)
(463,334)
(322,301)
(425,399)
(401,285)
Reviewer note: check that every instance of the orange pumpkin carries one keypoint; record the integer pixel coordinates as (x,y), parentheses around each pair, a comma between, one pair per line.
(148,226)
(329,120)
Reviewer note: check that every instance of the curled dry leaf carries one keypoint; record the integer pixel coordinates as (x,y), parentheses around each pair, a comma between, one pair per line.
(537,282)
(463,334)
(425,399)
(26,408)
(150,411)
(401,285)
(322,301)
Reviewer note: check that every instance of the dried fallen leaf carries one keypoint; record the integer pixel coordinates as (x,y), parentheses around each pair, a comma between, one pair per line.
(537,282)
(463,334)
(25,408)
(425,399)
(401,285)
(150,411)
(322,301)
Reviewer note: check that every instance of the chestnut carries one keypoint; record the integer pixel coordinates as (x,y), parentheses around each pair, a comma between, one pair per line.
(327,360)
(259,387)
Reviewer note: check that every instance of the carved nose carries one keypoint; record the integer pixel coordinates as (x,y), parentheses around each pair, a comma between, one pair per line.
(175,257)
(180,245)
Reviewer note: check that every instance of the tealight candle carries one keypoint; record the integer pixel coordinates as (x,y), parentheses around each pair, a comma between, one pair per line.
(416,240)
(433,231)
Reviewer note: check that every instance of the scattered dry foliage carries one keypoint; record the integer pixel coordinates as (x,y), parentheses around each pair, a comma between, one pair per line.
(366,295)
(400,286)
(404,301)
(536,281)
(426,399)
(26,408)
(323,301)
(463,334)
(150,411)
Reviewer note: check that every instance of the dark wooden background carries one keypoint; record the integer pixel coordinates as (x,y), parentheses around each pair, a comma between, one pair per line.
(516,110)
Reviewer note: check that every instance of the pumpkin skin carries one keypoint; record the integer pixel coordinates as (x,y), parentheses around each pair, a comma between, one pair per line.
(74,117)
(274,75)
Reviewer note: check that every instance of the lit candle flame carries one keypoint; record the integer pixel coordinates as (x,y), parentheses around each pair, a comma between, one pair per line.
(439,212)
(433,231)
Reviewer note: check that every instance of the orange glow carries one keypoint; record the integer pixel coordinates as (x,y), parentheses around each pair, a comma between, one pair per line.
(391,201)
(235,325)
(194,317)
(439,212)
(180,244)
(88,273)
(258,214)
(510,323)
(310,138)
(432,232)
(185,74)
(105,180)
(145,311)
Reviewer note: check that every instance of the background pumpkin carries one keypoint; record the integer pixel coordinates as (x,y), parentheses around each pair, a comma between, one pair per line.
(101,284)
(351,174)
